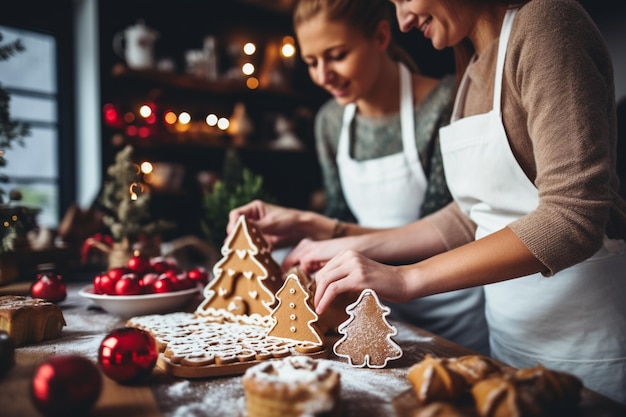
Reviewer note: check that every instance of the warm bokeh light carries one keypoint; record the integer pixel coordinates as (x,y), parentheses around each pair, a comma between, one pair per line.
(145,111)
(143,132)
(110,114)
(184,118)
(135,190)
(170,117)
(129,117)
(247,68)
(252,83)
(131,130)
(146,167)
(223,123)
(288,50)
(249,48)
(211,119)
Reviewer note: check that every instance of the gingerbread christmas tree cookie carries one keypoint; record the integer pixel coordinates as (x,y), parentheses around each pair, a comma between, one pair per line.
(294,316)
(367,334)
(245,278)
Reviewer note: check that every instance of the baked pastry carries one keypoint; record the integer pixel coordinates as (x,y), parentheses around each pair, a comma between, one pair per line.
(292,386)
(28,320)
(434,380)
(474,367)
(527,392)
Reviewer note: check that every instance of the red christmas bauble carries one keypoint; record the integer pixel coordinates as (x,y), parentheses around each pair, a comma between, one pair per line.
(51,289)
(117,272)
(7,352)
(66,385)
(164,284)
(139,264)
(128,355)
(199,275)
(128,284)
(147,280)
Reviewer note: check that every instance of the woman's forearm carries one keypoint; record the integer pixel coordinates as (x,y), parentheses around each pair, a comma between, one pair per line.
(406,244)
(497,257)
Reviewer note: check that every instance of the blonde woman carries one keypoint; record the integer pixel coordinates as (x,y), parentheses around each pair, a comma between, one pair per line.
(378,146)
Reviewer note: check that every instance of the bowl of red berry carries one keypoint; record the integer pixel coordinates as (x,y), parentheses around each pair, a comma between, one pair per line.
(146,286)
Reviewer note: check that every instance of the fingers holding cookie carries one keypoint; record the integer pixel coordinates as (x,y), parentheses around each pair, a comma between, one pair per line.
(350,272)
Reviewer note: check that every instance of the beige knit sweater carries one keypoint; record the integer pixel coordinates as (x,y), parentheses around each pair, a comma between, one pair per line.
(558,109)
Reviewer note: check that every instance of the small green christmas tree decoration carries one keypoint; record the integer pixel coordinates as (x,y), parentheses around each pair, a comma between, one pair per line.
(15,220)
(125,201)
(238,186)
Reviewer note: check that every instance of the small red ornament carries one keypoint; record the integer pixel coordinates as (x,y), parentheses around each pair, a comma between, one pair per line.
(199,275)
(117,272)
(139,264)
(128,284)
(147,280)
(160,264)
(49,287)
(128,355)
(66,385)
(7,352)
(164,284)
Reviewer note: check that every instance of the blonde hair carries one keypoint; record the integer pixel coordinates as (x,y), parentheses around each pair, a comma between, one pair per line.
(360,15)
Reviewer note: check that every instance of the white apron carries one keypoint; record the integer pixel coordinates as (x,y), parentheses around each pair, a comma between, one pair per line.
(389,192)
(574,321)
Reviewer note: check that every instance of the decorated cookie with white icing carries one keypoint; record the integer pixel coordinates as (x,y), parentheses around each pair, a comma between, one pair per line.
(367,335)
(294,316)
(245,278)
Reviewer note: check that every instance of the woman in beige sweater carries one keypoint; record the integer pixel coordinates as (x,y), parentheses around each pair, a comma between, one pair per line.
(530,160)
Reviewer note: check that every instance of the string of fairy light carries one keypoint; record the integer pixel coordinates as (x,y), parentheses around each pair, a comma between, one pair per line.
(144,121)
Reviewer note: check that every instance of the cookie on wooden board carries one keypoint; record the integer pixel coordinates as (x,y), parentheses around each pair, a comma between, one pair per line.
(294,316)
(246,277)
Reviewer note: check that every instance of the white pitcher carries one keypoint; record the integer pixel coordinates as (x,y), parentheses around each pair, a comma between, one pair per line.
(135,45)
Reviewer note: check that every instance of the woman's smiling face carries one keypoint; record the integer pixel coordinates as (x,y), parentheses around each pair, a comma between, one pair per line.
(444,22)
(339,58)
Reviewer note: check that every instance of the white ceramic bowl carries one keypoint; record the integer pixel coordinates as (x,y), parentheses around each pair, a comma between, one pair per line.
(140,305)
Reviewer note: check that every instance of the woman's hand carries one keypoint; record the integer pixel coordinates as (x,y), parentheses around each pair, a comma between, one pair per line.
(311,255)
(279,225)
(351,272)
(282,226)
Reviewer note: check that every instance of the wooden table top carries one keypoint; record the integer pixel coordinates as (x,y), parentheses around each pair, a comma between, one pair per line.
(371,392)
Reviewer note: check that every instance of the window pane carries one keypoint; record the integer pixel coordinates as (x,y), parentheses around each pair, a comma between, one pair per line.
(37,158)
(30,76)
(42,196)
(33,109)
(33,69)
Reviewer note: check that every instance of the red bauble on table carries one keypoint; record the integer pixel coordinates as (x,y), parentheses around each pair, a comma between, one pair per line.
(128,355)
(50,287)
(66,385)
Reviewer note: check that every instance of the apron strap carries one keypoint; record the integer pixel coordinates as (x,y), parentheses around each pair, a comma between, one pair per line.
(507,23)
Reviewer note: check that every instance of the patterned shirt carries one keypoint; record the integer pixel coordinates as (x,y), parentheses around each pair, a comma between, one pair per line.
(376,137)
